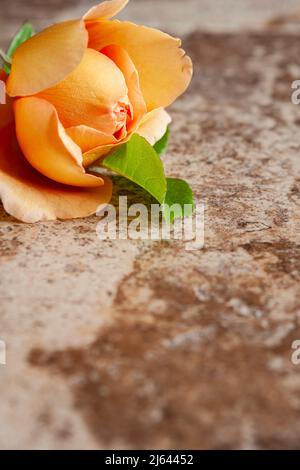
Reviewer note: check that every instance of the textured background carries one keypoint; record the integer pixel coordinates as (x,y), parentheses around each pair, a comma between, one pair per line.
(142,344)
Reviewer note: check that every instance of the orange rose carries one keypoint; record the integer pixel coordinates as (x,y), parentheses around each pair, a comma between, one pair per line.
(76,91)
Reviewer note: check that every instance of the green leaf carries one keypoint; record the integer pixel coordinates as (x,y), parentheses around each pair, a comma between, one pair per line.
(161,146)
(6,62)
(178,192)
(6,68)
(24,33)
(138,162)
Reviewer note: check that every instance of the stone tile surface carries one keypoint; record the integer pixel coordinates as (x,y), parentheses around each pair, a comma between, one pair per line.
(126,344)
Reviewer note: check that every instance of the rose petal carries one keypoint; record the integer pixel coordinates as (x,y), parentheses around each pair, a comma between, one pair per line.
(46,145)
(123,61)
(31,197)
(90,94)
(164,70)
(95,154)
(154,125)
(88,138)
(47,58)
(105,10)
(91,156)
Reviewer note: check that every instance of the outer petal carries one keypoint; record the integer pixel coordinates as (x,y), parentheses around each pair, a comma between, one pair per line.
(95,154)
(47,58)
(154,125)
(164,70)
(46,145)
(30,197)
(105,10)
(88,138)
(122,59)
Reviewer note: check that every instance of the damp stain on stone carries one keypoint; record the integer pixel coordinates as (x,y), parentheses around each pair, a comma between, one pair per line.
(286,252)
(132,389)
(148,383)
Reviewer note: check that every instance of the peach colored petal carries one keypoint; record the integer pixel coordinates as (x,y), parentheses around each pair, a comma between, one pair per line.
(95,154)
(121,58)
(91,95)
(164,70)
(154,125)
(105,10)
(47,146)
(88,138)
(29,196)
(47,58)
